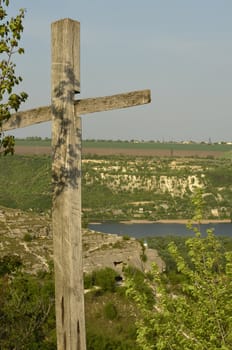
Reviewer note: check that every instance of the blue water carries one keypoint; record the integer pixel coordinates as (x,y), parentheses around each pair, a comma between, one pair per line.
(159,229)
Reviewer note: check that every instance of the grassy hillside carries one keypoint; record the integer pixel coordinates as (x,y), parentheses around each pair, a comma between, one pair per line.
(155,188)
(124,188)
(25,182)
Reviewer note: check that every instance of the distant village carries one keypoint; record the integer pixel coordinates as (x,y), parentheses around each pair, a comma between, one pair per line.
(209,142)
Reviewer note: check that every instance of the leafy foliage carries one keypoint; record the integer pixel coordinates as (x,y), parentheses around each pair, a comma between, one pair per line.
(27,311)
(104,278)
(198,314)
(141,286)
(100,342)
(9,264)
(10,35)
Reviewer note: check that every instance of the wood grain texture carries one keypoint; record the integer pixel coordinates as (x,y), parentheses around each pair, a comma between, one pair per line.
(100,104)
(81,107)
(27,118)
(66,176)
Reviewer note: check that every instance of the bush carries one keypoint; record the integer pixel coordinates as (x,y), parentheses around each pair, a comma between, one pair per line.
(27,312)
(27,237)
(100,342)
(126,237)
(105,279)
(9,264)
(143,257)
(140,284)
(199,316)
(110,311)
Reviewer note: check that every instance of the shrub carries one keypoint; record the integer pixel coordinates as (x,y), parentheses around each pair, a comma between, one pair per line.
(105,279)
(126,237)
(27,312)
(9,264)
(110,311)
(89,280)
(143,257)
(199,315)
(27,237)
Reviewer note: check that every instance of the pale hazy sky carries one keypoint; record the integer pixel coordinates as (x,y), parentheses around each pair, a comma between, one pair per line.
(180,49)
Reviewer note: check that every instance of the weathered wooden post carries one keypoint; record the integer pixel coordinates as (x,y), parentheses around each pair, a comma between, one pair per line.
(66,175)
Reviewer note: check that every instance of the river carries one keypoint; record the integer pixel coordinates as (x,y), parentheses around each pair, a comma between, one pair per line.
(158,229)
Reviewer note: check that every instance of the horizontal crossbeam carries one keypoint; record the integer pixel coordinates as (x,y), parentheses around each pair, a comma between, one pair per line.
(27,118)
(84,106)
(107,103)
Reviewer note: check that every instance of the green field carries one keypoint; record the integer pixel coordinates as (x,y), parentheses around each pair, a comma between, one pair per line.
(34,141)
(158,145)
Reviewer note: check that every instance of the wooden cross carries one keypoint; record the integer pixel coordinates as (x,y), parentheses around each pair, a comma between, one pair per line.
(65,114)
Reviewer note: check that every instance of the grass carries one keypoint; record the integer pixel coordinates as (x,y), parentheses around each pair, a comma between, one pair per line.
(158,145)
(25,182)
(121,328)
(35,142)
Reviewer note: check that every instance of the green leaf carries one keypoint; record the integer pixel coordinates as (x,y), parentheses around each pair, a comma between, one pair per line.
(10,34)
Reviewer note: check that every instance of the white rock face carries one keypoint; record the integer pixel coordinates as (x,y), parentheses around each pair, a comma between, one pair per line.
(172,184)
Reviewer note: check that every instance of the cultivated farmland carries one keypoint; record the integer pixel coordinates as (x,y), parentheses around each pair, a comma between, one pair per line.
(150,149)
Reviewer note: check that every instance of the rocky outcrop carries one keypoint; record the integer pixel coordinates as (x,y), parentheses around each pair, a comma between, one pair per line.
(28,235)
(134,176)
(110,250)
(17,223)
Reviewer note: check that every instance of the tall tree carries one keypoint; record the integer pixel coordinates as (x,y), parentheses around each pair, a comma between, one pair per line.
(11,29)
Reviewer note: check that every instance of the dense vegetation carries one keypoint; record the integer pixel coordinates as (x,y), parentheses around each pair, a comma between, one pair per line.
(194,311)
(27,313)
(26,307)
